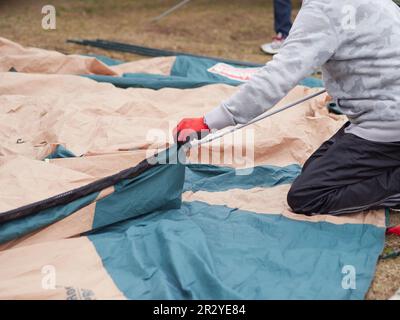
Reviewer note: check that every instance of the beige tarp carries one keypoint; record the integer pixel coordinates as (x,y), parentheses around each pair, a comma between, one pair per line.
(34,60)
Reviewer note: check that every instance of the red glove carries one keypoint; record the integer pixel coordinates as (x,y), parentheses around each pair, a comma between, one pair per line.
(394,230)
(190,128)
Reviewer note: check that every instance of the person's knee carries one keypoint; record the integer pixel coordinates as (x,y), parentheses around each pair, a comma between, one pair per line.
(300,199)
(295,200)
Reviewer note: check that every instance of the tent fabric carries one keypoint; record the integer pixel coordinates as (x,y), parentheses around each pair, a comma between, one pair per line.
(151,52)
(79,272)
(129,198)
(215,252)
(212,251)
(60,152)
(189,253)
(172,72)
(190,72)
(13,55)
(207,228)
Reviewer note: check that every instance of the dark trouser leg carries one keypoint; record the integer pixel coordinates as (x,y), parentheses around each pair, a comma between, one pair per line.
(283,16)
(348,174)
(325,146)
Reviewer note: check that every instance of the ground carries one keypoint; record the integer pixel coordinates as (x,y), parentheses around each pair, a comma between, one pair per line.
(220,28)
(227,28)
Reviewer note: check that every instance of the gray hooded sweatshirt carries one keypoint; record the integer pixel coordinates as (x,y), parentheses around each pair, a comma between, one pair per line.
(357,45)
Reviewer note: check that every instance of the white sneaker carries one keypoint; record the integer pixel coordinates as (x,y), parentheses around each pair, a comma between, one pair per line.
(396,296)
(274,46)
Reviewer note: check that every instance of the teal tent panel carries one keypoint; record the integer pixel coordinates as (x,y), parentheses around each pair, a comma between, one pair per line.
(157,188)
(60,152)
(151,81)
(215,178)
(197,68)
(203,251)
(20,227)
(186,72)
(312,82)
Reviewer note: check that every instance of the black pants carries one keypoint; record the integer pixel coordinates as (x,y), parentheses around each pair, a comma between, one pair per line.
(348,174)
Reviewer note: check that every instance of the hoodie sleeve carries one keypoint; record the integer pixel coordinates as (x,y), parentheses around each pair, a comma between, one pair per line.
(312,42)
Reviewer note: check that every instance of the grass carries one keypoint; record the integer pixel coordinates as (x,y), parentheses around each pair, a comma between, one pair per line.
(219,28)
(228,28)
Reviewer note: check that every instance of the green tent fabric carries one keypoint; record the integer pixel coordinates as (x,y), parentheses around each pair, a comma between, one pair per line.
(157,188)
(156,247)
(17,228)
(130,198)
(151,52)
(334,108)
(60,152)
(203,251)
(187,72)
(216,178)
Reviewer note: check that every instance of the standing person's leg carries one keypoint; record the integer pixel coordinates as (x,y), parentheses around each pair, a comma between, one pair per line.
(283,24)
(348,174)
(283,16)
